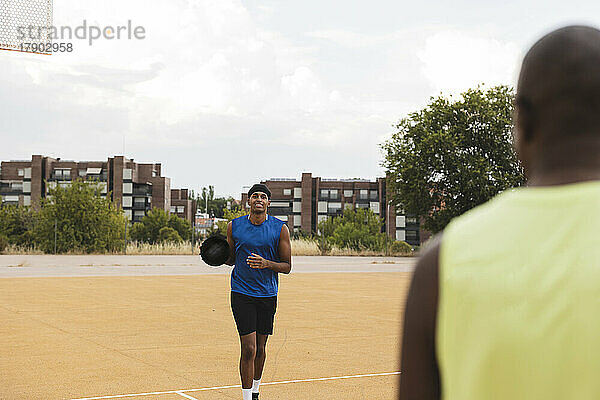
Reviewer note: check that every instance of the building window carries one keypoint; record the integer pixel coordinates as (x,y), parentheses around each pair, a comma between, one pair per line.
(400,221)
(283,218)
(127,201)
(297,193)
(127,188)
(324,193)
(348,206)
(26,200)
(127,174)
(287,192)
(17,186)
(10,199)
(364,194)
(27,173)
(27,187)
(322,207)
(400,235)
(374,207)
(348,193)
(20,172)
(334,207)
(128,214)
(61,173)
(297,207)
(333,193)
(180,209)
(362,205)
(280,204)
(374,195)
(297,221)
(412,235)
(411,220)
(81,173)
(173,209)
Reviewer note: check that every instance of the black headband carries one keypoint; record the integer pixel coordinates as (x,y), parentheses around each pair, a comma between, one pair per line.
(259,187)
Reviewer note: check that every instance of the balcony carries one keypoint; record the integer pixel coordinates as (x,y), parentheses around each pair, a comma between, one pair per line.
(60,176)
(144,193)
(280,210)
(140,206)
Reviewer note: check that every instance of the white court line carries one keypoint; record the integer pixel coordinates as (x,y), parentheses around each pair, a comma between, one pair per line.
(187,396)
(181,391)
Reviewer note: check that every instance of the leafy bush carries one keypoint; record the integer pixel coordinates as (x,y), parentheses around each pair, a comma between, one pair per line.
(358,229)
(168,235)
(149,228)
(16,224)
(80,220)
(400,247)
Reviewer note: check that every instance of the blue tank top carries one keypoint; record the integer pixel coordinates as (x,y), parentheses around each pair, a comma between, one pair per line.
(260,239)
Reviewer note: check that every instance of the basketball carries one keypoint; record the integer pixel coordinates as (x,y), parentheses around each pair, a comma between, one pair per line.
(215,250)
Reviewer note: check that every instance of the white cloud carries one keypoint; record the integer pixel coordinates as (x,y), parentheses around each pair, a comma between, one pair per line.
(454,61)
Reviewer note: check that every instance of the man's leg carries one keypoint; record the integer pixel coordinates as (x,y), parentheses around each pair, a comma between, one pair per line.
(261,355)
(247,358)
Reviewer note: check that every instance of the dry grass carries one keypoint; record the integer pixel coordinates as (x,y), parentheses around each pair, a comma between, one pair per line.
(14,250)
(304,247)
(300,247)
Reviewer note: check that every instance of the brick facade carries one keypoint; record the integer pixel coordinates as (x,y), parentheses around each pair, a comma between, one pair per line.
(135,187)
(304,203)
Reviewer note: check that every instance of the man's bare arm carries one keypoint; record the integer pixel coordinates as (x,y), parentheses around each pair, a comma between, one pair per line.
(420,379)
(231,259)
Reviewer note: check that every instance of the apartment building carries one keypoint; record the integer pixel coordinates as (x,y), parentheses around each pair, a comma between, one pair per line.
(182,205)
(136,187)
(303,203)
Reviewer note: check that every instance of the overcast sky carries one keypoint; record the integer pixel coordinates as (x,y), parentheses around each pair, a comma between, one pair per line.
(228,92)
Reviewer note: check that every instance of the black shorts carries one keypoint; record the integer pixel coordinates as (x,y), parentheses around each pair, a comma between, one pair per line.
(253,314)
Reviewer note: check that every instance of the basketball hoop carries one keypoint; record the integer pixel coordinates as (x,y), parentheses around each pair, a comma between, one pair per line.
(26,26)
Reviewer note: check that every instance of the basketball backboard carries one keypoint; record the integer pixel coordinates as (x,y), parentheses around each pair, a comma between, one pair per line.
(26,26)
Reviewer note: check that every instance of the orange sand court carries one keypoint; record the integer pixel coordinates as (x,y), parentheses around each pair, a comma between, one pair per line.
(125,337)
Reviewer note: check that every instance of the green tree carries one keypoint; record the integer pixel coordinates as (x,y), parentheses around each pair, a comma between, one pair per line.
(216,205)
(168,235)
(208,195)
(80,220)
(17,223)
(229,215)
(453,155)
(181,226)
(148,229)
(358,229)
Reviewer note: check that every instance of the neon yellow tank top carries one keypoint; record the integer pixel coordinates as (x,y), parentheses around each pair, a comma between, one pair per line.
(519,297)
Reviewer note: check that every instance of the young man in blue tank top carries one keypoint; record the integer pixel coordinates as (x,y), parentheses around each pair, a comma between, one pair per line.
(260,250)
